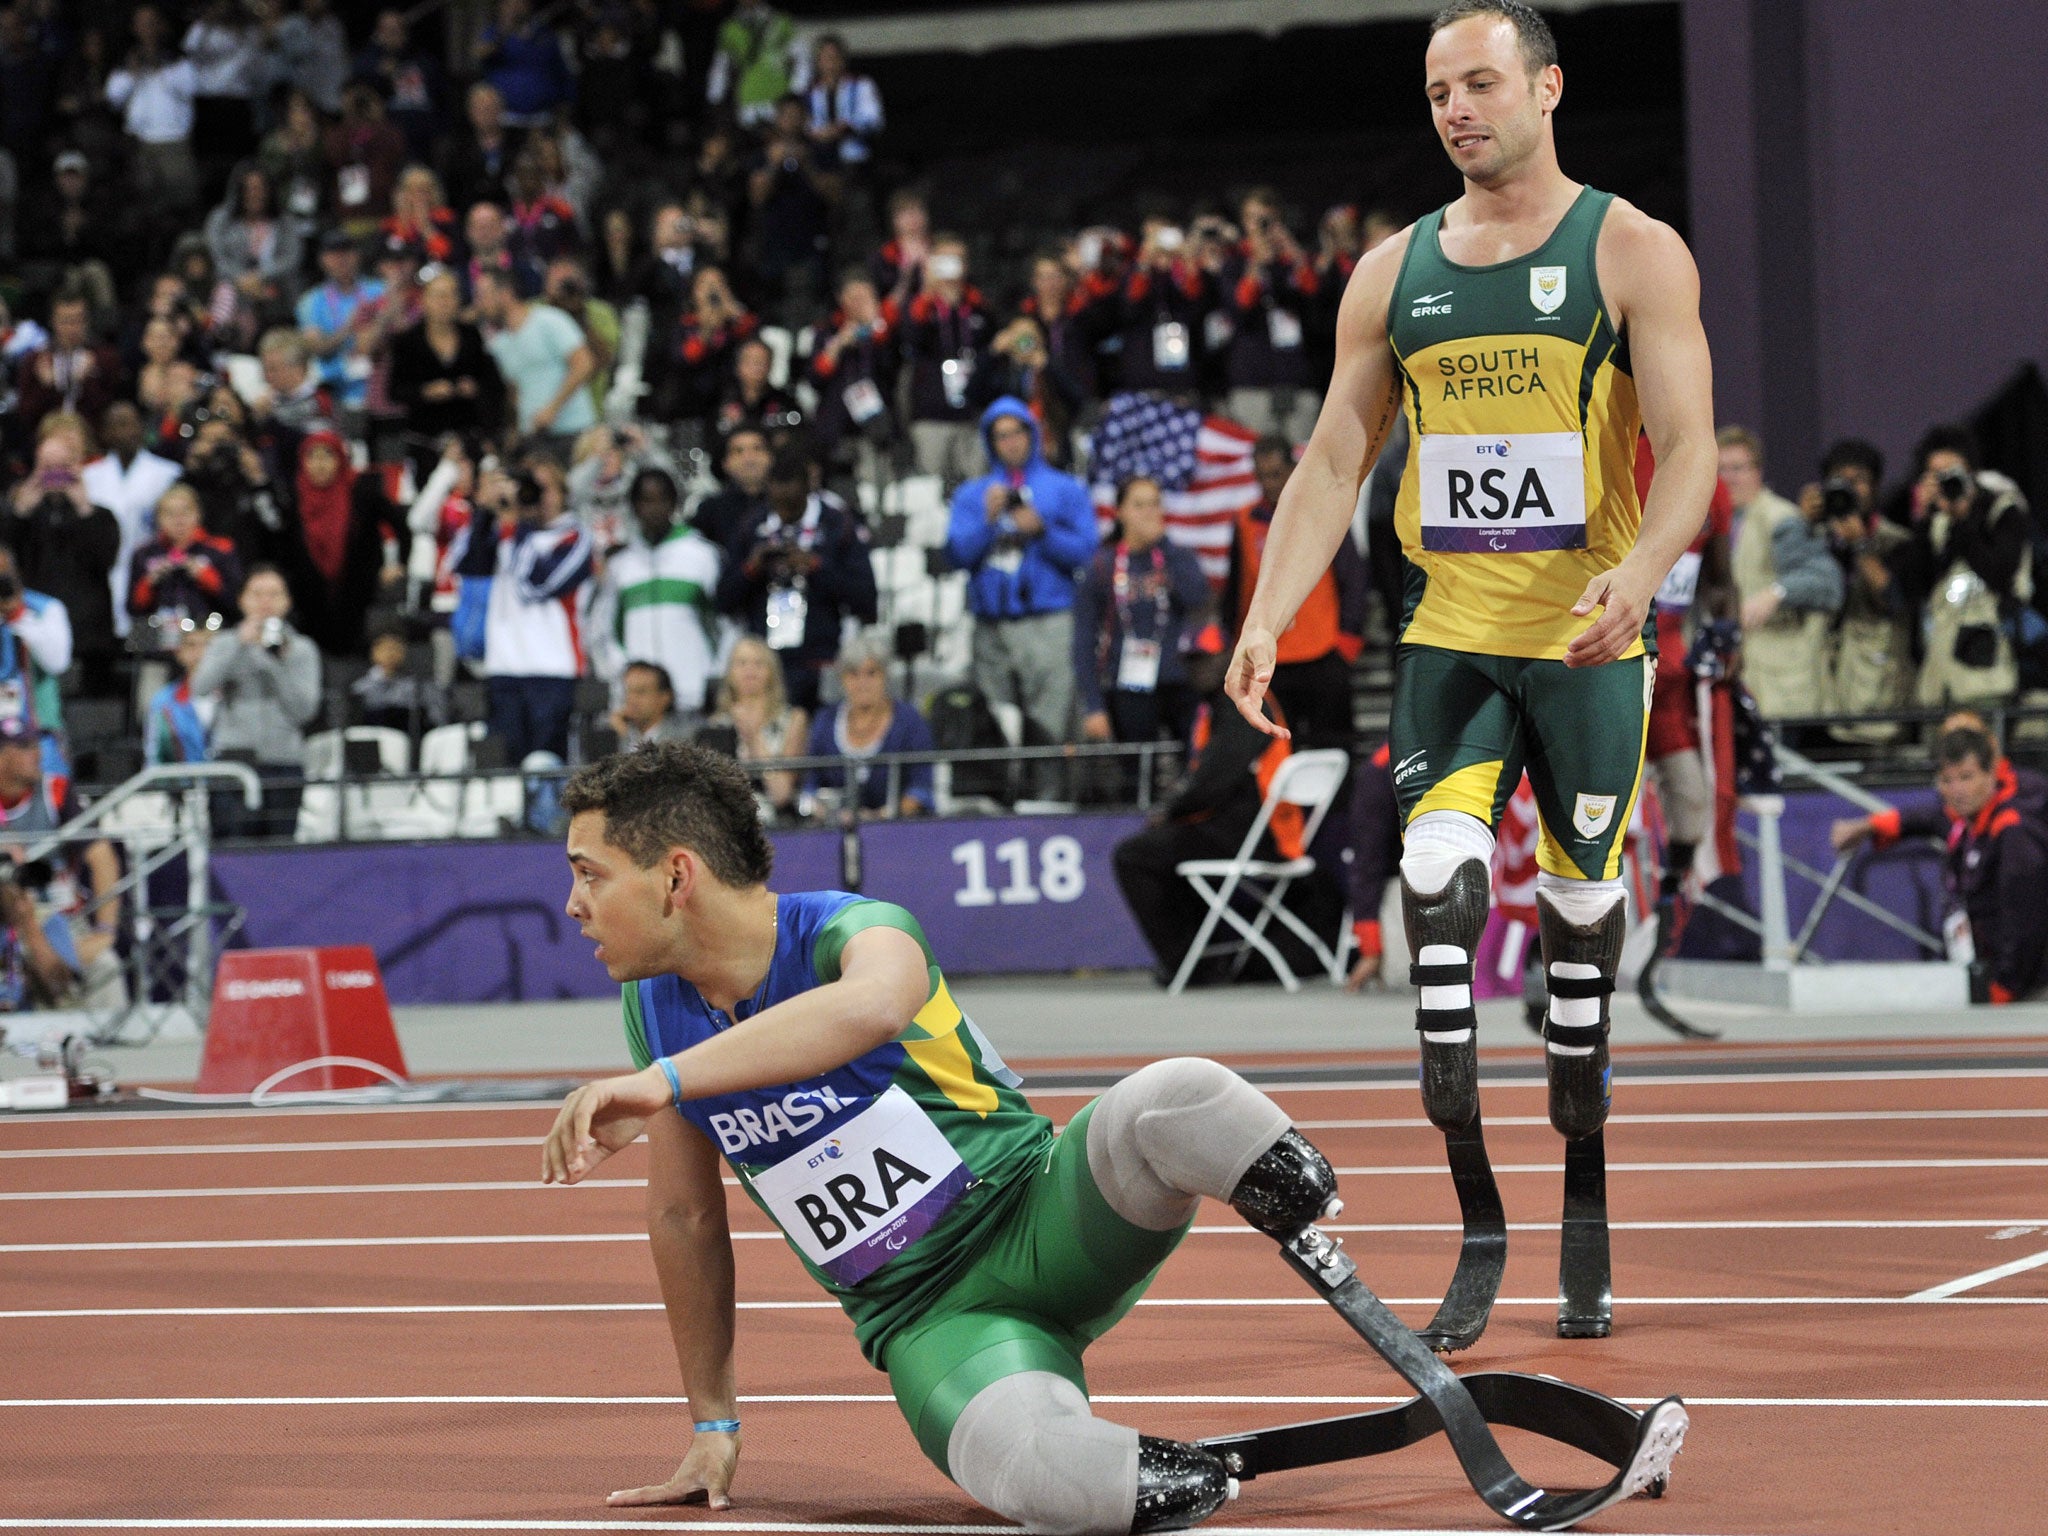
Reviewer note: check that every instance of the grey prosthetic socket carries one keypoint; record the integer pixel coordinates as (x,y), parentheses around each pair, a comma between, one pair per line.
(1580,961)
(1174,1131)
(1028,1448)
(1443,934)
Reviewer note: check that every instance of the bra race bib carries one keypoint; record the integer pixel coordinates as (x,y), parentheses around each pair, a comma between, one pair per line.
(855,1199)
(1502,495)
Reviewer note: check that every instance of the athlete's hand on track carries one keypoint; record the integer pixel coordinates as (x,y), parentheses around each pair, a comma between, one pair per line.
(703,1477)
(597,1120)
(1251,672)
(1624,595)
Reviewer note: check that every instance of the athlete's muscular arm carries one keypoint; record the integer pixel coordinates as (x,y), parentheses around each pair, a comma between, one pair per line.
(1315,510)
(882,984)
(692,1247)
(1648,276)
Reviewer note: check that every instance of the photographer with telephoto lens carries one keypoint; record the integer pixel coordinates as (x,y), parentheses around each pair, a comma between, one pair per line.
(1972,549)
(1873,665)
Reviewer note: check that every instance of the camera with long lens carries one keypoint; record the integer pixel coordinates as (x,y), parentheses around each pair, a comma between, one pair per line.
(32,875)
(1954,484)
(1839,498)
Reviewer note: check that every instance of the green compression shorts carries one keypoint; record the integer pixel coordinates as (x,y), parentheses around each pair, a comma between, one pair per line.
(1058,1272)
(1465,726)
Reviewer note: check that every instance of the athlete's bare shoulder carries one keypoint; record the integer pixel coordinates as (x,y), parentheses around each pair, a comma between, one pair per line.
(1362,318)
(1642,259)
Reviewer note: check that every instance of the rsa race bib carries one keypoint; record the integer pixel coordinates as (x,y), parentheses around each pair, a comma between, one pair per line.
(855,1199)
(1504,495)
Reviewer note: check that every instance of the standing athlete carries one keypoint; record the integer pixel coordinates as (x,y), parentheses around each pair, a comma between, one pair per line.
(1529,329)
(809,1041)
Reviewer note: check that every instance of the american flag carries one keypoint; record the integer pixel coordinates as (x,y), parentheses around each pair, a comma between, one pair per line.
(1203,465)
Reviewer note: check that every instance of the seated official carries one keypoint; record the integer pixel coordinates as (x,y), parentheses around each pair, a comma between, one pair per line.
(868,722)
(1996,865)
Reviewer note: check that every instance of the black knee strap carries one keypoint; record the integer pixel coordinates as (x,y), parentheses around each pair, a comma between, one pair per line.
(1440,975)
(1579,986)
(1574,1034)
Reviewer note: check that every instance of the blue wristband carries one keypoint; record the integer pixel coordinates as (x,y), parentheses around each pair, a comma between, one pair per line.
(675,1088)
(717,1426)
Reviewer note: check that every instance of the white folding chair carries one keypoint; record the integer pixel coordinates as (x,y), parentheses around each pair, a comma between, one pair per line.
(1309,780)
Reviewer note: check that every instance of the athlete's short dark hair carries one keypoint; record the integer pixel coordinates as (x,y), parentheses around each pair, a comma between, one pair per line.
(676,794)
(1539,43)
(1964,745)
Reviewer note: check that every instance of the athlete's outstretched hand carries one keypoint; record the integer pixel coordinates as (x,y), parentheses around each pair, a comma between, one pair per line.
(703,1477)
(597,1120)
(1250,674)
(1624,596)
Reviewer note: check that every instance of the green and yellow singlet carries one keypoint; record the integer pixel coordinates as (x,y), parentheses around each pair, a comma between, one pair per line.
(1523,421)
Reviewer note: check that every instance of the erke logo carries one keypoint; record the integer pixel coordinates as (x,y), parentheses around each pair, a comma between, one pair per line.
(1430,304)
(1546,288)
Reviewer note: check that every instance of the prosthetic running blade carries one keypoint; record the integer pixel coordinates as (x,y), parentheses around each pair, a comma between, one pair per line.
(1483,1251)
(1646,984)
(1641,1447)
(1585,1291)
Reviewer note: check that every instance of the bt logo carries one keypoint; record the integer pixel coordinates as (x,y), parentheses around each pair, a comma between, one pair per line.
(1498,450)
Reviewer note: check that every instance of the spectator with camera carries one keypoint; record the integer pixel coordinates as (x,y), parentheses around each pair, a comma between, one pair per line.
(182,578)
(1045,356)
(1972,556)
(870,720)
(237,497)
(267,676)
(1273,290)
(1023,532)
(791,192)
(702,350)
(542,356)
(946,330)
(898,267)
(798,574)
(1163,311)
(1789,601)
(1873,669)
(524,538)
(66,546)
(1995,866)
(1137,601)
(853,367)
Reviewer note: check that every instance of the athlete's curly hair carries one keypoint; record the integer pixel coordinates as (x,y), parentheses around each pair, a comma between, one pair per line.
(674,794)
(1539,43)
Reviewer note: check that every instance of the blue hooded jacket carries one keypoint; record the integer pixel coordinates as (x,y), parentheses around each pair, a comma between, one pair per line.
(1049,565)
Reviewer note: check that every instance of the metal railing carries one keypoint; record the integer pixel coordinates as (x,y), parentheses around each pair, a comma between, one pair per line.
(166,970)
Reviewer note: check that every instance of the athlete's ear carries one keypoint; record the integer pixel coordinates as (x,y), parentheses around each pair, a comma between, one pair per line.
(1550,88)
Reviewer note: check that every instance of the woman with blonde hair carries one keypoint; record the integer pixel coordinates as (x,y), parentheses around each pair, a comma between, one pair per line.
(754,707)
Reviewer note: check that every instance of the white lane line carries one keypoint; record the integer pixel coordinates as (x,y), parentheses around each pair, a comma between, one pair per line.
(542,1308)
(271,1148)
(448,1143)
(816,1398)
(1404,1084)
(516,1239)
(1951,1288)
(1384,1170)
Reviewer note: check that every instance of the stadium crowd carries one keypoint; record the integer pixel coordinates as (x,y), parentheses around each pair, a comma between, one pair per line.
(331,373)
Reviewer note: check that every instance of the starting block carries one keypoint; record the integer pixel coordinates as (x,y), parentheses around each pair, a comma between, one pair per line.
(275,1008)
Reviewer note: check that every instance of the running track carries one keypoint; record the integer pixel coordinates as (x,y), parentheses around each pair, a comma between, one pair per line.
(376,1320)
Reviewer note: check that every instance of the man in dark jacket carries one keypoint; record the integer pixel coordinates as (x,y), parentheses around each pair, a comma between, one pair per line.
(794,576)
(1208,818)
(1023,532)
(66,546)
(1997,861)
